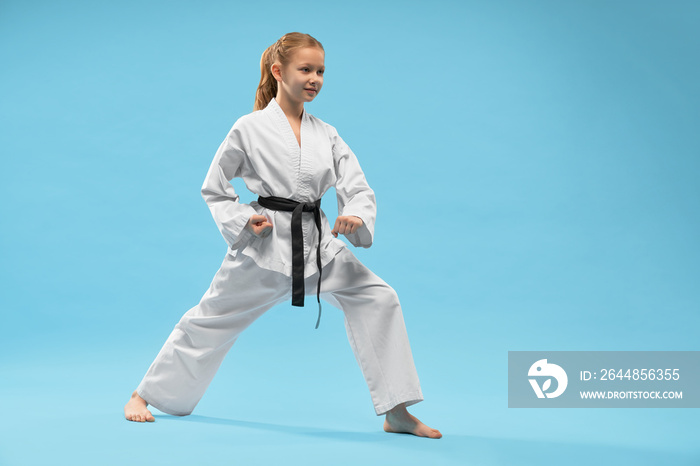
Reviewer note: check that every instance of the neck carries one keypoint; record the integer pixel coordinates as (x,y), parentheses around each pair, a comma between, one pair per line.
(291,109)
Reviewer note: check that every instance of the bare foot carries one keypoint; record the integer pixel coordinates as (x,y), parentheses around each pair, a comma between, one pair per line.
(400,421)
(135,409)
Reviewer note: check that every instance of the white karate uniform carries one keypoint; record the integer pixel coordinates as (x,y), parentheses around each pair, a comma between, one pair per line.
(256,273)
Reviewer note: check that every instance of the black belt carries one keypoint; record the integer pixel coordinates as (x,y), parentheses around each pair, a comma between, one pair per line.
(296,208)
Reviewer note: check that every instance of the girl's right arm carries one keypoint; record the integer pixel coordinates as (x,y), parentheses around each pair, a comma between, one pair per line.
(229,214)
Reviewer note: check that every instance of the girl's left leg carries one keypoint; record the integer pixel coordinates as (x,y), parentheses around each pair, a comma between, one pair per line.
(376,330)
(377,334)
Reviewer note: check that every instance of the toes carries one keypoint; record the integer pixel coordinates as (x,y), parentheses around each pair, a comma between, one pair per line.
(146,417)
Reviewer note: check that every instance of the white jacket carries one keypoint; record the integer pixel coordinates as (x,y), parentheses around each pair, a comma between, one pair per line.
(262,149)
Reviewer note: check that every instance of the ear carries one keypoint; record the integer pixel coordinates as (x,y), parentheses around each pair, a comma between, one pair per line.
(276,71)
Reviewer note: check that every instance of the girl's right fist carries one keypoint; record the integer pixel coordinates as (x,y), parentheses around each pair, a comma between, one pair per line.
(259,225)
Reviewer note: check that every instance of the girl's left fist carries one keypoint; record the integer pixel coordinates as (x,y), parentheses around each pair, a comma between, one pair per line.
(346,224)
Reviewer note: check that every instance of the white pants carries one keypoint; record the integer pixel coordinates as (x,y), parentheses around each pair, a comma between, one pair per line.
(241,292)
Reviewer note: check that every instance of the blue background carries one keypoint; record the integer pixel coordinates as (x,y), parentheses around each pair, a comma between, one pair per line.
(536,168)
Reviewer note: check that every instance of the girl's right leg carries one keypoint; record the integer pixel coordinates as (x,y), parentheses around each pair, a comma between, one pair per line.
(240,293)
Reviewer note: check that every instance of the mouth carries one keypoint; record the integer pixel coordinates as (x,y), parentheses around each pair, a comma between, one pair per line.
(310,90)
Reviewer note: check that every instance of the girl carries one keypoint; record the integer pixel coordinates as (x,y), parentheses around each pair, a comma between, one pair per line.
(282,245)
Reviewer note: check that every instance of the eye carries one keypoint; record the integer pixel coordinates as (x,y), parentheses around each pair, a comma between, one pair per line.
(321,72)
(305,69)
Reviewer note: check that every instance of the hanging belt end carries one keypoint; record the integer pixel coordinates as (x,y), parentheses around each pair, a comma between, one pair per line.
(319,315)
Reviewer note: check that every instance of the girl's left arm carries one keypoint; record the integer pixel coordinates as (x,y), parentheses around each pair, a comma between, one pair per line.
(355,197)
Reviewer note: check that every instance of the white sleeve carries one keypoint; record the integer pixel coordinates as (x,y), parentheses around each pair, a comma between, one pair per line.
(355,197)
(230,215)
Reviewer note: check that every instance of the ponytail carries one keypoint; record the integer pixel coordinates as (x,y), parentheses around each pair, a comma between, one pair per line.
(279,52)
(267,88)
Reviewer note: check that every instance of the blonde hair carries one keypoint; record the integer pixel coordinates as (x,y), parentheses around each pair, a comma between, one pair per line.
(280,52)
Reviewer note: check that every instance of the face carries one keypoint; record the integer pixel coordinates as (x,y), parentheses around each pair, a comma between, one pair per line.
(301,79)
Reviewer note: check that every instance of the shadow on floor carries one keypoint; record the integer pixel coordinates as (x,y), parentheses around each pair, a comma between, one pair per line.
(473,449)
(331,434)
